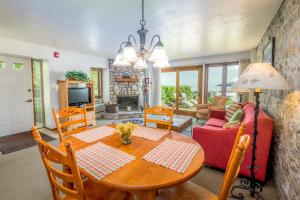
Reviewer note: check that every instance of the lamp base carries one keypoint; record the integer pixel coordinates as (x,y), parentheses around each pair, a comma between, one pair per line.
(254,189)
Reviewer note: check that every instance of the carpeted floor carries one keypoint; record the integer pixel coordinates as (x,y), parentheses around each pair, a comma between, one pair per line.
(23,177)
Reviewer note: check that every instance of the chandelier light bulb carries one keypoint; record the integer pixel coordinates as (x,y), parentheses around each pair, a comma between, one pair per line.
(129,53)
(159,53)
(161,64)
(119,61)
(140,64)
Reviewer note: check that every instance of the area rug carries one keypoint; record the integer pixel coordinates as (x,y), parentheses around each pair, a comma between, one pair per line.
(16,142)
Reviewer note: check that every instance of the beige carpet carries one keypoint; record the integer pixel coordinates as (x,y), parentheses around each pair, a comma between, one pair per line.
(23,177)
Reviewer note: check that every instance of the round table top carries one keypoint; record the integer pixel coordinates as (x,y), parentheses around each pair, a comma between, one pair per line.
(141,175)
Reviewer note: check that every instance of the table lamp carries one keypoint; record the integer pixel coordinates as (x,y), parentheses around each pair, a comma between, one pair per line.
(257,77)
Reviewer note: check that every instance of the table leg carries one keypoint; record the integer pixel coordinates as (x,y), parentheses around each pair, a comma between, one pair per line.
(147,195)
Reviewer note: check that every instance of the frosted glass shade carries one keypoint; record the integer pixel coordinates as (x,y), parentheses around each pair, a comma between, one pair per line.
(129,53)
(159,54)
(161,64)
(261,76)
(140,64)
(119,61)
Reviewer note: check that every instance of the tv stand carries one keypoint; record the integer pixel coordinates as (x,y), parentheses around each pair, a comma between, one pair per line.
(64,85)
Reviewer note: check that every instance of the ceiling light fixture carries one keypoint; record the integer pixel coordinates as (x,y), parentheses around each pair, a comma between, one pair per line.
(130,54)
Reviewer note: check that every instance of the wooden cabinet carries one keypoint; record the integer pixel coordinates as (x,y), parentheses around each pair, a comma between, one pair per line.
(63,87)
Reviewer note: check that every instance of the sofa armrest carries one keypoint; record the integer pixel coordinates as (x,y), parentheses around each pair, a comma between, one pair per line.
(219,114)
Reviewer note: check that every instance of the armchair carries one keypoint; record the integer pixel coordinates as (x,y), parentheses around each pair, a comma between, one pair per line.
(203,110)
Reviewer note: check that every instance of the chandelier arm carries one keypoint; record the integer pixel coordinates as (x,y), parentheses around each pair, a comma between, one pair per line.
(155,36)
(132,36)
(122,43)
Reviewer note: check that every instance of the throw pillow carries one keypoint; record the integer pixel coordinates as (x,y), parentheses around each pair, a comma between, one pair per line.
(237,116)
(231,110)
(233,124)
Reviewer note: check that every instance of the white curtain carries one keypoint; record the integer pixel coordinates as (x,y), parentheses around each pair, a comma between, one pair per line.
(154,89)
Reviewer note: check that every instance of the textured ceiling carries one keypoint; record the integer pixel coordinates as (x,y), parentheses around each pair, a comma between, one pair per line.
(188,28)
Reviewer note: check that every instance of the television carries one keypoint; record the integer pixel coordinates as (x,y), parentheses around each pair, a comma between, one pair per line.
(79,96)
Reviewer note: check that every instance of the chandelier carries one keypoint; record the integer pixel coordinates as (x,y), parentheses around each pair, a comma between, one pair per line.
(129,54)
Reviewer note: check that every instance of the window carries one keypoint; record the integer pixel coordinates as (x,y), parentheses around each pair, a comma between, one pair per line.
(180,88)
(96,77)
(219,79)
(38,93)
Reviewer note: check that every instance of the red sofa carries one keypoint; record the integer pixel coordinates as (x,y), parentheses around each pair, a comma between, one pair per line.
(218,142)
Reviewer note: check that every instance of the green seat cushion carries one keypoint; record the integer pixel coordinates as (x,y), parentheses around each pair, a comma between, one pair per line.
(237,116)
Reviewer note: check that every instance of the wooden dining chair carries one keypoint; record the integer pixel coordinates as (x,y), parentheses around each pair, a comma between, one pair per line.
(70,120)
(192,191)
(69,186)
(160,111)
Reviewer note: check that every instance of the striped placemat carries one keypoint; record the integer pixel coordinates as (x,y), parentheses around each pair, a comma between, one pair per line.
(100,159)
(95,134)
(173,154)
(150,133)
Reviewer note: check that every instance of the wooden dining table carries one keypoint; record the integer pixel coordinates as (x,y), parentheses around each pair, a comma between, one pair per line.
(140,177)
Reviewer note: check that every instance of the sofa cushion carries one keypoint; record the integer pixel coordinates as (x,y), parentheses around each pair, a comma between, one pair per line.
(237,116)
(231,110)
(215,122)
(232,124)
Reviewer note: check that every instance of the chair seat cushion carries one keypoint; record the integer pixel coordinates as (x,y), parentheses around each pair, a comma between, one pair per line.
(215,122)
(186,191)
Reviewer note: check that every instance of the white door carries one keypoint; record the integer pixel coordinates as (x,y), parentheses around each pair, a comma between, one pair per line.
(16,107)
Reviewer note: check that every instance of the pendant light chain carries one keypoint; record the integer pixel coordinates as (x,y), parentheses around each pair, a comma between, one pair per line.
(132,54)
(143,22)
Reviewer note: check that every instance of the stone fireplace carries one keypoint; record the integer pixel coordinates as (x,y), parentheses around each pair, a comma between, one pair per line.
(126,91)
(124,101)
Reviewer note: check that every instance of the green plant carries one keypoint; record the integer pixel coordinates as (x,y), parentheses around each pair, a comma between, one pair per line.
(77,75)
(168,94)
(187,90)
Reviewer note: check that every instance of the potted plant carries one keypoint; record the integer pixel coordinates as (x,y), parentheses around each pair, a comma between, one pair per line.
(77,76)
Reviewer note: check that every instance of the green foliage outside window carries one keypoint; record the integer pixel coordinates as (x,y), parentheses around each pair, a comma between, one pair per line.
(168,93)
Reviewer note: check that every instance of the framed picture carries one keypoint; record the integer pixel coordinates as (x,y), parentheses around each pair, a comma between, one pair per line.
(146,80)
(268,52)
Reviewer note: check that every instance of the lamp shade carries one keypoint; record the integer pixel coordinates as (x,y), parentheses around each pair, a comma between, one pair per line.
(260,76)
(159,53)
(140,64)
(119,61)
(161,64)
(129,53)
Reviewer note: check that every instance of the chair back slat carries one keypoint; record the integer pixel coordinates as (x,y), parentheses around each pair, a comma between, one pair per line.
(161,111)
(60,188)
(67,117)
(233,167)
(240,132)
(71,184)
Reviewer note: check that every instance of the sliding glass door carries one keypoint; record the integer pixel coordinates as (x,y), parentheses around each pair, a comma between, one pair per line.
(168,89)
(181,88)
(188,90)
(219,79)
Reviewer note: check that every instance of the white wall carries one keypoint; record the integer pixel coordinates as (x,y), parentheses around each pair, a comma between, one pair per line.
(56,67)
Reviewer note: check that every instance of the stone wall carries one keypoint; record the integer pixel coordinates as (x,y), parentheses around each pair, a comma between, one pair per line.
(125,88)
(284,106)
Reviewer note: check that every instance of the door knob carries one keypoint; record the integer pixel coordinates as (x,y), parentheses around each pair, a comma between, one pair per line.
(28,101)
